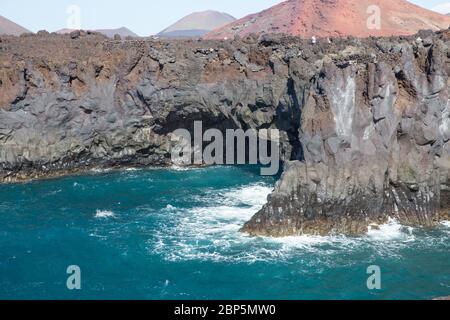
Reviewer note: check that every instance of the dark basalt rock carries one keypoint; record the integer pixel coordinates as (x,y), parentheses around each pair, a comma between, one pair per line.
(365,123)
(375,140)
(75,34)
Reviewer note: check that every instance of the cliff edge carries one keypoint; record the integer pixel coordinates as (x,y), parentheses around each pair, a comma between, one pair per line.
(365,123)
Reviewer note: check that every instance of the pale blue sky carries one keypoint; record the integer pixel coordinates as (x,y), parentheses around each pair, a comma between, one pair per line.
(144,17)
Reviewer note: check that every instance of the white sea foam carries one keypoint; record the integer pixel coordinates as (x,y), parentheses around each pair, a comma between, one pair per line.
(445,227)
(178,168)
(54,192)
(307,241)
(392,230)
(101,170)
(445,224)
(212,233)
(170,207)
(253,195)
(200,230)
(103,214)
(380,238)
(78,186)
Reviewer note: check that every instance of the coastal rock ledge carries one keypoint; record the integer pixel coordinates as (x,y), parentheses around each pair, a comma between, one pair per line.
(365,123)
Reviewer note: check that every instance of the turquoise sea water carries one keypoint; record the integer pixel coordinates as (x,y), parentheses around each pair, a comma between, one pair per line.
(173,234)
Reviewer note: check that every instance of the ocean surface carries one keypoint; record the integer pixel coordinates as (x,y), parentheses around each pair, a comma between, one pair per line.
(173,234)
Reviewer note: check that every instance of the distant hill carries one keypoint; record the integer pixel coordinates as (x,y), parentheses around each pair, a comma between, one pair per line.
(123,32)
(197,24)
(326,18)
(10,28)
(64,31)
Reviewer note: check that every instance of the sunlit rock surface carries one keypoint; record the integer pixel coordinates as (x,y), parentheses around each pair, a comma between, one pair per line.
(364,123)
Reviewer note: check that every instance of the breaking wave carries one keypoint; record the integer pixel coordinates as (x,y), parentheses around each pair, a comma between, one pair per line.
(211,232)
(103,214)
(392,230)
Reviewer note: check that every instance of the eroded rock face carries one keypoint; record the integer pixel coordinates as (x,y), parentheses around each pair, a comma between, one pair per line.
(68,104)
(365,124)
(375,144)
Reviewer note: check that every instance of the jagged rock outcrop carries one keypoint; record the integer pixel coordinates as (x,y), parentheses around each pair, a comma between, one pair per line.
(376,144)
(365,124)
(123,32)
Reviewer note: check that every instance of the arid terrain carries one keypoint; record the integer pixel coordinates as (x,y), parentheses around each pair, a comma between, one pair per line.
(337,18)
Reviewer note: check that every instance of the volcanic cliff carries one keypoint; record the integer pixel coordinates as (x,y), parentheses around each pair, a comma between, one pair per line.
(365,124)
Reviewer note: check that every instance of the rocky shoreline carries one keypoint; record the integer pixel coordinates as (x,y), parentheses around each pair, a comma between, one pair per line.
(365,123)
